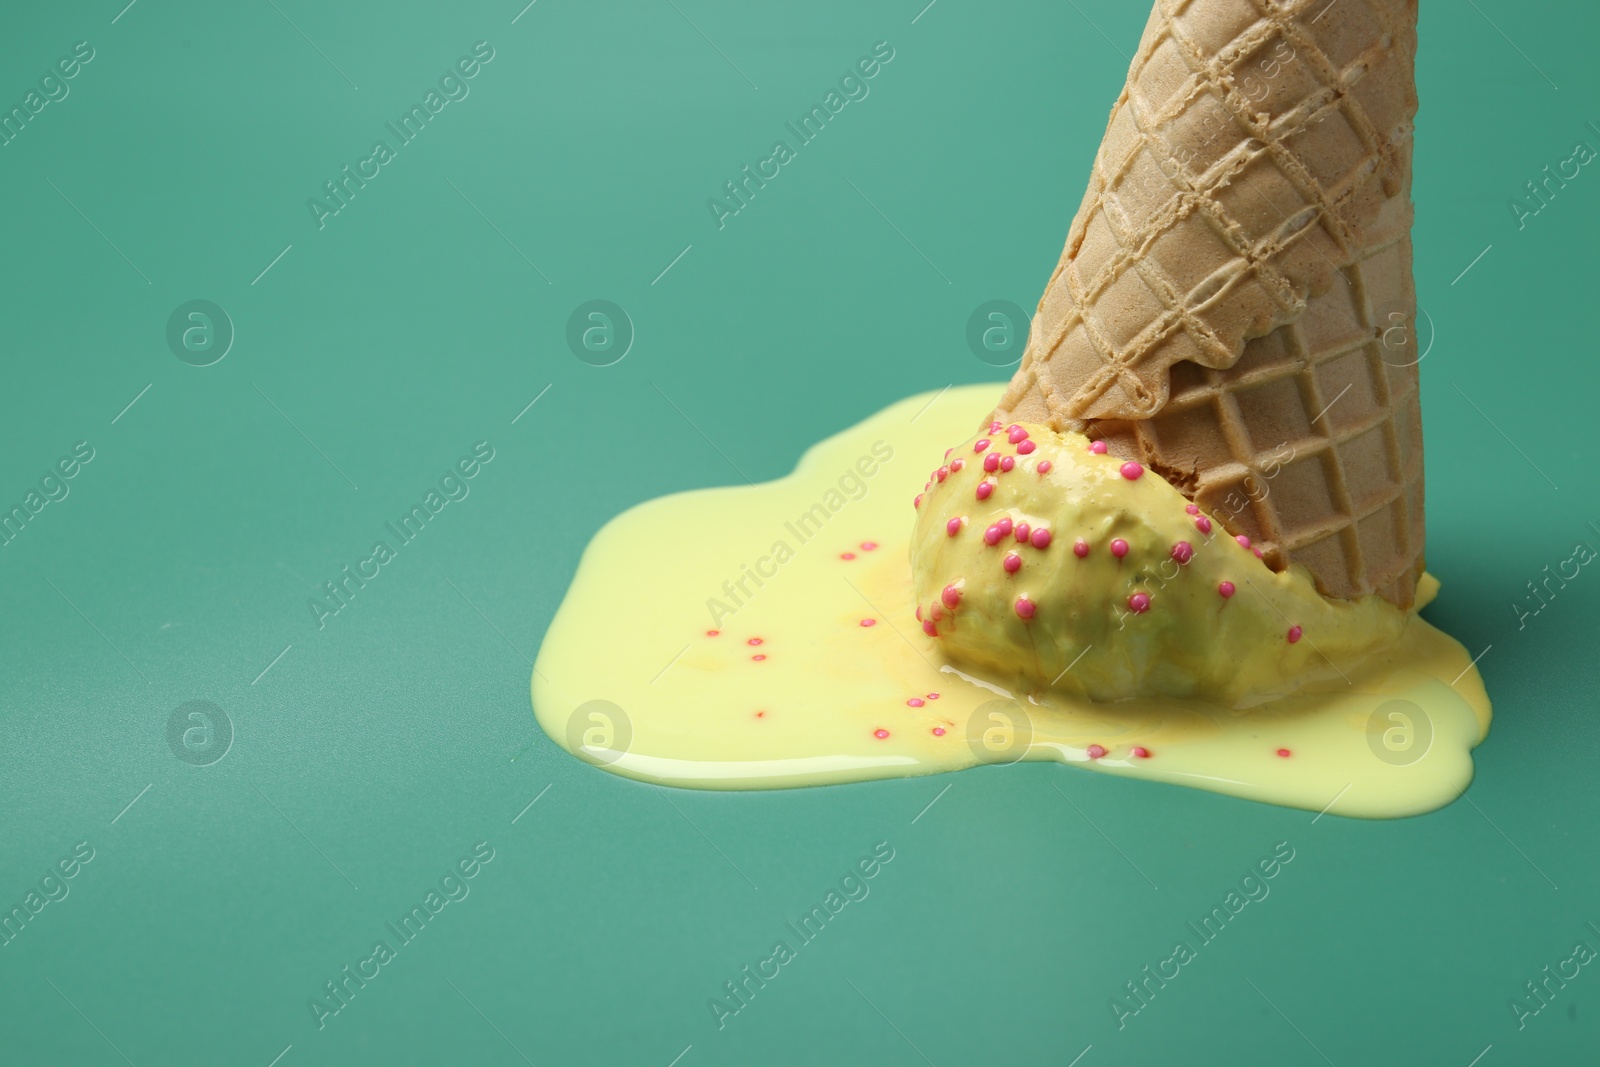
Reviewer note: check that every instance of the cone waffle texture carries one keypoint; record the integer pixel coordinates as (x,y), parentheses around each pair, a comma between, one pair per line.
(1235,306)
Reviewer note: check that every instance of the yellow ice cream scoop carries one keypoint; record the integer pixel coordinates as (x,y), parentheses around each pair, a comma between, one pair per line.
(1039,558)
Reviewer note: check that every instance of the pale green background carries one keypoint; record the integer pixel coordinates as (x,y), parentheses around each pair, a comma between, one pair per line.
(394,739)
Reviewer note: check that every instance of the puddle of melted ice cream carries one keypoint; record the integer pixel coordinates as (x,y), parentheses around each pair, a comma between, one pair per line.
(776,635)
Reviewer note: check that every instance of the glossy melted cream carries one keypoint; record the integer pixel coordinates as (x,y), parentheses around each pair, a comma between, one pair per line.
(764,637)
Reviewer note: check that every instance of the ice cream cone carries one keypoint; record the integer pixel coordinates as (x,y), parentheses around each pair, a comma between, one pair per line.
(1235,306)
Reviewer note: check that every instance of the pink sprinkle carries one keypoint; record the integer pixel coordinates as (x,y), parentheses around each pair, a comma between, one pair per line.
(991,462)
(1097,447)
(1139,603)
(847,555)
(1183,552)
(980,444)
(869,622)
(1257,551)
(758,657)
(994,427)
(1191,509)
(1012,563)
(919,612)
(992,535)
(957,464)
(1026,448)
(868,546)
(953,527)
(1025,608)
(1294,634)
(1283,752)
(1139,752)
(1226,589)
(947,452)
(753,641)
(1131,470)
(880,733)
(1243,540)
(1004,526)
(1095,751)
(1022,532)
(1119,548)
(1016,433)
(929,628)
(1044,467)
(933,696)
(938,731)
(984,489)
(1081,547)
(951,596)
(914,702)
(1007,462)
(1202,524)
(1040,538)
(942,473)
(917,503)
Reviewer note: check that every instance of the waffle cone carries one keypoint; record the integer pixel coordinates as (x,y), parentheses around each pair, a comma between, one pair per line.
(1235,307)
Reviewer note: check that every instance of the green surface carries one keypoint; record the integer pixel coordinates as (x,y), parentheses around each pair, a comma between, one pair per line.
(378,750)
